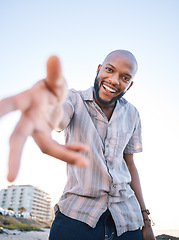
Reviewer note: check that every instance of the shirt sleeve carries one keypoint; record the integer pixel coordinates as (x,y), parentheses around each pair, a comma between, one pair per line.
(134,144)
(68,111)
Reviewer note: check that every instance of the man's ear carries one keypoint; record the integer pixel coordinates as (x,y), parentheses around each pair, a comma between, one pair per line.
(130,85)
(99,67)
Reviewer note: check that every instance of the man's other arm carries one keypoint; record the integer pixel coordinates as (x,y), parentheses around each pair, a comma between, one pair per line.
(136,187)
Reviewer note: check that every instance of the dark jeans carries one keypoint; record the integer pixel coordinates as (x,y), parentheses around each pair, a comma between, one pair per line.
(65,228)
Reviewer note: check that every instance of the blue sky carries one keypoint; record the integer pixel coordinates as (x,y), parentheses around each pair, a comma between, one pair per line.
(82,33)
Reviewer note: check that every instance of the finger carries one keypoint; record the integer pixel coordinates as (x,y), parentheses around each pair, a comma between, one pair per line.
(17,140)
(20,101)
(54,70)
(52,148)
(54,80)
(79,147)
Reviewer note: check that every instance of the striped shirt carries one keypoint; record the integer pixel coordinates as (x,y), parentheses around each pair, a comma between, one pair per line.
(105,184)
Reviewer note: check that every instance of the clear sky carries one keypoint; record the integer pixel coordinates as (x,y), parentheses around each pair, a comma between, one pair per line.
(82,33)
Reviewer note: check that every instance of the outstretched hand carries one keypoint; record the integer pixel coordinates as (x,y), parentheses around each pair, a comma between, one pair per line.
(41,111)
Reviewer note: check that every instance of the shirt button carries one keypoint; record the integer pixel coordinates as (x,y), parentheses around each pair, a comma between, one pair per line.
(114,186)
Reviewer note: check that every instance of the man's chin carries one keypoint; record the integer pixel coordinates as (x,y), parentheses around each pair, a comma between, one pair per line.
(100,100)
(104,102)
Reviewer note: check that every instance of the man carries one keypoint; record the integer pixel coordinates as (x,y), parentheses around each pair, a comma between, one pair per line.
(104,200)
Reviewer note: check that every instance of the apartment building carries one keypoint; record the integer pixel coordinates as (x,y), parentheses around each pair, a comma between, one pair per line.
(36,201)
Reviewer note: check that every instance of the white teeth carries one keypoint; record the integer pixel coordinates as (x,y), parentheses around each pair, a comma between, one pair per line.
(110,89)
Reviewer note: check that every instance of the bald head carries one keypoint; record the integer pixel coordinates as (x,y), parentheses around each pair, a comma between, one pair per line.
(122,54)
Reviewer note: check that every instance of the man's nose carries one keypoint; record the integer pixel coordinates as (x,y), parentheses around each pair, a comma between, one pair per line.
(115,79)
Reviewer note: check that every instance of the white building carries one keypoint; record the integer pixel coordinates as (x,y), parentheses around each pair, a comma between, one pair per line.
(36,201)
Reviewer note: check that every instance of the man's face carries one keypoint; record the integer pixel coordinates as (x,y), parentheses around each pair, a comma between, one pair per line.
(99,99)
(113,79)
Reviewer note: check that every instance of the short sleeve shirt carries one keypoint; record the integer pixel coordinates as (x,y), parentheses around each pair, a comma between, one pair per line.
(105,183)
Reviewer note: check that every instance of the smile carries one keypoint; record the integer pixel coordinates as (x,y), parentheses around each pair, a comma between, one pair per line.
(109,88)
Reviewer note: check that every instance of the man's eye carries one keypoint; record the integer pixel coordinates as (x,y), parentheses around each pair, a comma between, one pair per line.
(126,79)
(109,69)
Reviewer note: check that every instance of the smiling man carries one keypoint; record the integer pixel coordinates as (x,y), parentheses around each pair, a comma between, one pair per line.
(104,200)
(114,78)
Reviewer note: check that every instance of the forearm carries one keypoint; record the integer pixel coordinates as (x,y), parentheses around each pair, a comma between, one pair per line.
(136,186)
(135,182)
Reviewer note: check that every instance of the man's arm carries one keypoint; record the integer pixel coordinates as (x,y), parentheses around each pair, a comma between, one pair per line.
(41,112)
(136,187)
(68,111)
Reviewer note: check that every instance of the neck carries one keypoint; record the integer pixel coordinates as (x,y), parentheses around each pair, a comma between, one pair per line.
(107,109)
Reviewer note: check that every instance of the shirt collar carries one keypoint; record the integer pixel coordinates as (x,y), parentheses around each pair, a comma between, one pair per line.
(88,94)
